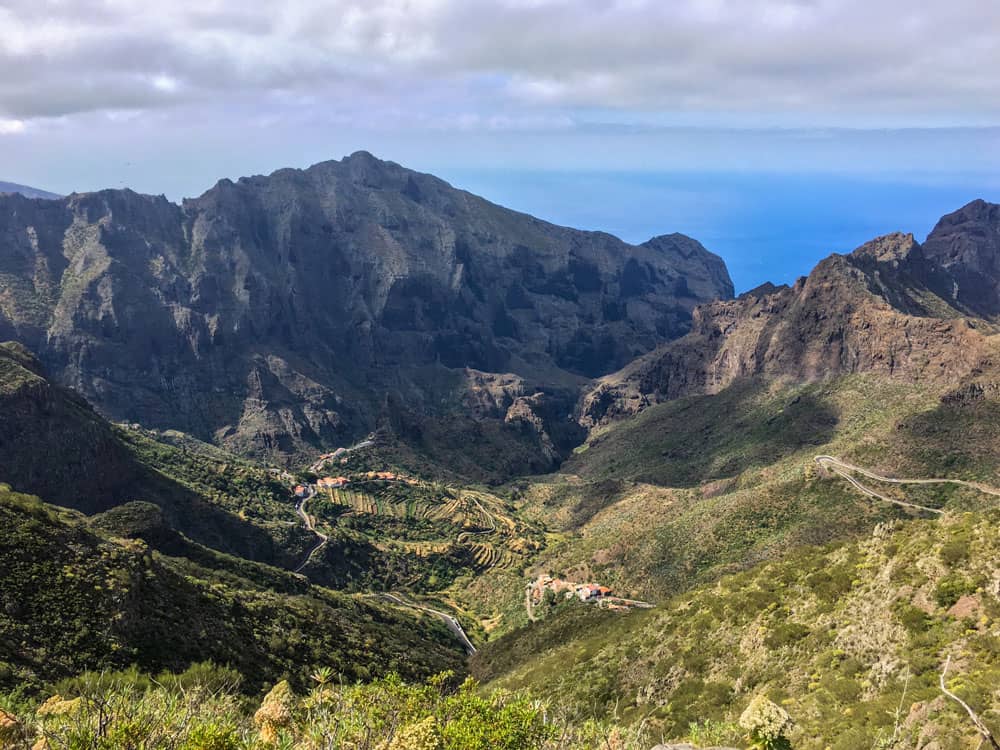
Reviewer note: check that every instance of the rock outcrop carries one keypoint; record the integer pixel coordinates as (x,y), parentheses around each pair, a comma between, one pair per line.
(966,244)
(892,307)
(274,314)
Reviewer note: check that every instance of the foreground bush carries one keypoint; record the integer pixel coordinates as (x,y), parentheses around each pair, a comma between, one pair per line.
(204,710)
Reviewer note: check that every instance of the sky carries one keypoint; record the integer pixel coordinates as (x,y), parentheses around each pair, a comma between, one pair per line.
(770,127)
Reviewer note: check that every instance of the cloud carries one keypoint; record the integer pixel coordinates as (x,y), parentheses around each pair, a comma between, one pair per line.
(510,61)
(11,127)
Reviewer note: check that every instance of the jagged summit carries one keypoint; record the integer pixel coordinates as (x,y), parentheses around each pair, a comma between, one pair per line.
(888,248)
(966,244)
(892,306)
(275,313)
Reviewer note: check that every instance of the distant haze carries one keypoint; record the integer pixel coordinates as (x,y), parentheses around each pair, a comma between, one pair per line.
(30,192)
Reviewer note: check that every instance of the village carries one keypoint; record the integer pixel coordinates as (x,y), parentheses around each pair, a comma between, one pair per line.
(330,483)
(591,593)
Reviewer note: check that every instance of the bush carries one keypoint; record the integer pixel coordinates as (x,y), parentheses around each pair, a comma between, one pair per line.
(914,619)
(951,588)
(954,552)
(709,733)
(785,634)
(766,723)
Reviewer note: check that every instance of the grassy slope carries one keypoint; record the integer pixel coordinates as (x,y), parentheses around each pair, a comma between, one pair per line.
(74,598)
(834,633)
(698,487)
(52,444)
(688,502)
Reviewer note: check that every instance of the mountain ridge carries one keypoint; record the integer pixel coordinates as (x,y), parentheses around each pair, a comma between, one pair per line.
(272,314)
(892,306)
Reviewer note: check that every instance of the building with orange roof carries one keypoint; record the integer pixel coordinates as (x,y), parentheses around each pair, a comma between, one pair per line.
(330,483)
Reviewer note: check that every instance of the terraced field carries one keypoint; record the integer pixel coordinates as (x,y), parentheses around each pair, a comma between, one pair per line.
(428,520)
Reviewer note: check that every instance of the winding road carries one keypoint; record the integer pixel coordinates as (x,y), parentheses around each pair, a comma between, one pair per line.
(302,510)
(318,466)
(450,621)
(844,469)
(529,606)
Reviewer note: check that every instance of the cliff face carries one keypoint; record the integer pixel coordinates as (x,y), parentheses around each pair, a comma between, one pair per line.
(967,244)
(891,307)
(275,313)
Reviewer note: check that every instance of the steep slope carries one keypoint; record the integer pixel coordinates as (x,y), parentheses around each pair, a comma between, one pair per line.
(699,458)
(889,308)
(692,489)
(275,313)
(967,244)
(850,639)
(53,444)
(75,597)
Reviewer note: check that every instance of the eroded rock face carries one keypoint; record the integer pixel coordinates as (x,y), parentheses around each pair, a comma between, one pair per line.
(967,244)
(273,314)
(890,307)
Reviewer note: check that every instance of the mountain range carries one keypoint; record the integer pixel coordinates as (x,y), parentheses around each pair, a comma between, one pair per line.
(892,306)
(509,400)
(283,314)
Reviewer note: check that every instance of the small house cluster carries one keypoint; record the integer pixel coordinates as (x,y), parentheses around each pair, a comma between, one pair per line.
(389,476)
(332,483)
(585,592)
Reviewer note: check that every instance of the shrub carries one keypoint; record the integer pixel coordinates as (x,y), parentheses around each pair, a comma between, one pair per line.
(766,723)
(786,634)
(951,588)
(708,732)
(914,619)
(954,552)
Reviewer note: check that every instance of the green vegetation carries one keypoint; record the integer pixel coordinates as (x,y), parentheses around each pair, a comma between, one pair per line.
(838,636)
(53,445)
(227,481)
(693,489)
(74,599)
(777,586)
(692,440)
(202,709)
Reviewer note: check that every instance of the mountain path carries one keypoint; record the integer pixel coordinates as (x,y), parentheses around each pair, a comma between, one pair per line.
(450,621)
(844,469)
(302,510)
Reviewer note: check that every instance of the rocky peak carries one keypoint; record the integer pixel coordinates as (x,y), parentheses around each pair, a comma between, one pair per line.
(966,244)
(890,307)
(273,313)
(891,248)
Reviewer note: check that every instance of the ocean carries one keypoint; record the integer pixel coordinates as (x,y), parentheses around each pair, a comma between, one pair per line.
(767,227)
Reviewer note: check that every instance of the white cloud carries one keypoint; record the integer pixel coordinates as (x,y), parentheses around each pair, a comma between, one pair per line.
(891,61)
(11,127)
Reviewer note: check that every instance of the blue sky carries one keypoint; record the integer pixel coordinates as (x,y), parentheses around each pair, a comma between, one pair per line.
(772,130)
